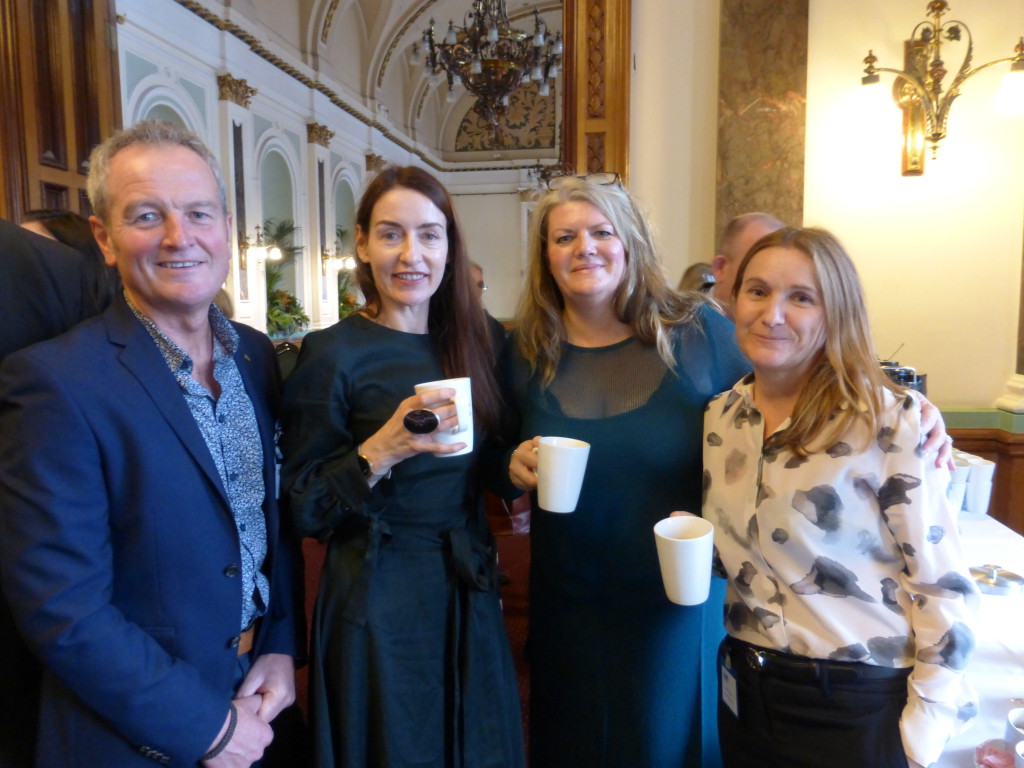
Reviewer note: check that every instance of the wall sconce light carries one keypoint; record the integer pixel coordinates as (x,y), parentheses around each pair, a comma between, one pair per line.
(257,249)
(918,87)
(329,262)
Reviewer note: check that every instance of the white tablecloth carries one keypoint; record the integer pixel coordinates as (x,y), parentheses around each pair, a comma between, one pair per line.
(997,668)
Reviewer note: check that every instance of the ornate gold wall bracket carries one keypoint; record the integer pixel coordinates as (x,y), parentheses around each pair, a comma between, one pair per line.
(907,97)
(235,90)
(317,133)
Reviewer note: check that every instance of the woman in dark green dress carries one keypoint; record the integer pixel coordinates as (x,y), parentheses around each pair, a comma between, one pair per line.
(605,351)
(410,663)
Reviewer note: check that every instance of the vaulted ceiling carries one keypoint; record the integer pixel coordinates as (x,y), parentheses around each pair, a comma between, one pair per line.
(361,49)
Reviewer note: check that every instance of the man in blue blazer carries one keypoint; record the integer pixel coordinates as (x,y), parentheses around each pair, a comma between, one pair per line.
(140,544)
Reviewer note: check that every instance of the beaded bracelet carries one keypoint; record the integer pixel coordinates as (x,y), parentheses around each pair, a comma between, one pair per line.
(223,743)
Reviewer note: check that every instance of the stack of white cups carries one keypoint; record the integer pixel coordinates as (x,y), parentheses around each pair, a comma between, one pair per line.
(970,487)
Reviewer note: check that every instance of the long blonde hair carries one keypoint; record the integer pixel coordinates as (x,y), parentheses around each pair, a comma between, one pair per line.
(847,382)
(644,300)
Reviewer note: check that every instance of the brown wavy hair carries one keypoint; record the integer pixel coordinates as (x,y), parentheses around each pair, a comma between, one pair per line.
(456,320)
(846,383)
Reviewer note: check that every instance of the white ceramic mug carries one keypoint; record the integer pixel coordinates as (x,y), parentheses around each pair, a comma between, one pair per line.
(561,464)
(463,401)
(977,496)
(982,470)
(961,471)
(1014,727)
(1018,755)
(685,546)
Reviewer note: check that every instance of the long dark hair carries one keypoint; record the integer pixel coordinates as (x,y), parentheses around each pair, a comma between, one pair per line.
(456,320)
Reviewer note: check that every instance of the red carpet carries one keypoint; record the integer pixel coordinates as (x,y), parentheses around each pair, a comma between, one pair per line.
(514,560)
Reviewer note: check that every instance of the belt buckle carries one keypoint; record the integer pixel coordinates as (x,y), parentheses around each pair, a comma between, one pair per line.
(246,640)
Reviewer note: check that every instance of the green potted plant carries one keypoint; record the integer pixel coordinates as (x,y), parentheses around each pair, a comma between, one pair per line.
(285,315)
(347,303)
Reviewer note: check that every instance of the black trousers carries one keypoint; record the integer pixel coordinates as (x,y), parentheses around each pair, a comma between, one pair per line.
(795,712)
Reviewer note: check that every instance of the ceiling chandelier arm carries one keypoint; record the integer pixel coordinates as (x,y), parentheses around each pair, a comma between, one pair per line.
(491,58)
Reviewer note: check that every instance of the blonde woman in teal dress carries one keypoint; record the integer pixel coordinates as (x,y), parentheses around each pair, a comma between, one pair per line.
(605,351)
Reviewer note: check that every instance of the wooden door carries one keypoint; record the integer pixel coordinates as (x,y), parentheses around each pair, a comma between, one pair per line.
(59,92)
(596,74)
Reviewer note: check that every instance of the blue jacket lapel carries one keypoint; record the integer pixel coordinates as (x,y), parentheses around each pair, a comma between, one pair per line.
(141,357)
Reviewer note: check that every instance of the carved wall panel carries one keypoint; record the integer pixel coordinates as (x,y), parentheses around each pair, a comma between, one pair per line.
(597,66)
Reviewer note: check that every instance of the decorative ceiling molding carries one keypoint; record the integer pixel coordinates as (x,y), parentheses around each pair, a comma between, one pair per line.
(422,100)
(328,18)
(256,47)
(397,37)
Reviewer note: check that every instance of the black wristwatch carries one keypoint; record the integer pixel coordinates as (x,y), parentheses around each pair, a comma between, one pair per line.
(366,466)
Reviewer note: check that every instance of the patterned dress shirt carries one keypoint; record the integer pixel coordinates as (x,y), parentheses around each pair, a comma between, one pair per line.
(229,428)
(851,554)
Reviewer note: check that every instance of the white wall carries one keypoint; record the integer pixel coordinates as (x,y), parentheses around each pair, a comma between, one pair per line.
(674,125)
(939,254)
(494,234)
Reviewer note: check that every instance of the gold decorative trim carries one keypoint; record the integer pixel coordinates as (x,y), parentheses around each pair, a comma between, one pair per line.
(374,162)
(397,37)
(317,133)
(422,100)
(328,18)
(257,48)
(235,90)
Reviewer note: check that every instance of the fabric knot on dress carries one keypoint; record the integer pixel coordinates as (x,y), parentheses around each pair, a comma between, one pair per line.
(472,560)
(377,531)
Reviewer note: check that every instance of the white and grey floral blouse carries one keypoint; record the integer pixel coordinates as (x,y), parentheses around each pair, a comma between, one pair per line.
(850,554)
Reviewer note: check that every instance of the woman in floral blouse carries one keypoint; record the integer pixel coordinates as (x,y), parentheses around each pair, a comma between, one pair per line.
(849,608)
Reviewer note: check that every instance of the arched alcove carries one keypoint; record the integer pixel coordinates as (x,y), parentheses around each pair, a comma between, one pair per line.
(158,97)
(345,216)
(345,234)
(167,113)
(277,203)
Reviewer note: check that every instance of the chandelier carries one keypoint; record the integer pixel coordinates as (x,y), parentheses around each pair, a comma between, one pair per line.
(918,89)
(492,59)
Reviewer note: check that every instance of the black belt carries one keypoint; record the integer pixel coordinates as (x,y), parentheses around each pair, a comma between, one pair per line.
(804,669)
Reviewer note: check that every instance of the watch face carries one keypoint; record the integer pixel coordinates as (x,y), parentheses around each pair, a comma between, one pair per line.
(364,465)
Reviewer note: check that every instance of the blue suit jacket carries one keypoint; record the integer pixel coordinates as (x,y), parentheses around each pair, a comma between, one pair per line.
(117,544)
